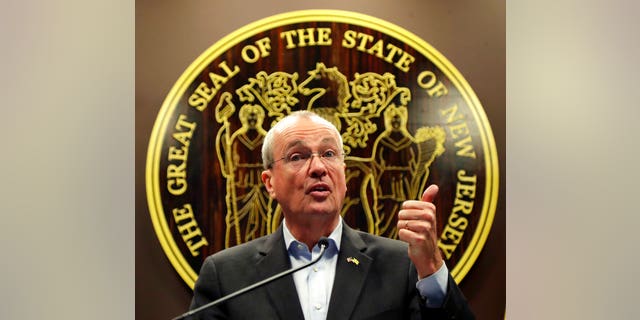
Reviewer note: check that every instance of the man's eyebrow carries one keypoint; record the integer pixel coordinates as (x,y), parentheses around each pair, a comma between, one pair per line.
(299,142)
(330,140)
(295,143)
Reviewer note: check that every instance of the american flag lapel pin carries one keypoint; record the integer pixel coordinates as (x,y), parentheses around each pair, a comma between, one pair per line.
(353,260)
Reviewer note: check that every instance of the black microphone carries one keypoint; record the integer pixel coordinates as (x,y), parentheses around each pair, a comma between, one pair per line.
(323,243)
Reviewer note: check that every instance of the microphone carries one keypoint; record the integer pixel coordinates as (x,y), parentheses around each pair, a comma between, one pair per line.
(323,243)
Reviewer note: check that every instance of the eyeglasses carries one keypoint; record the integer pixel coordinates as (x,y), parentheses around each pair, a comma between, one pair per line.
(297,160)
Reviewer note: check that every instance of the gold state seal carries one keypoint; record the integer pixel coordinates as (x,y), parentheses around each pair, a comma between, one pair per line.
(407,117)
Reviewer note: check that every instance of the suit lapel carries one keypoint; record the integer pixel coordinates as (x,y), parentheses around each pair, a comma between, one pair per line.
(282,292)
(351,272)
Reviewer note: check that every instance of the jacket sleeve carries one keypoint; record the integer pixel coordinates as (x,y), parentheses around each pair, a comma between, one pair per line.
(206,290)
(455,305)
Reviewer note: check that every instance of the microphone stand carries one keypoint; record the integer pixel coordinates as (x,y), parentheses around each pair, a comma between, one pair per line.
(323,242)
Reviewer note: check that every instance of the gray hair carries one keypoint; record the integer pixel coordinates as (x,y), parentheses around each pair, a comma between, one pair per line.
(267,144)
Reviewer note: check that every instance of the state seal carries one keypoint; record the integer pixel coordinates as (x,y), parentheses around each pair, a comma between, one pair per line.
(407,117)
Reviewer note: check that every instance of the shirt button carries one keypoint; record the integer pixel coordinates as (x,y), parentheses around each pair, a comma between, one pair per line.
(318,306)
(315,269)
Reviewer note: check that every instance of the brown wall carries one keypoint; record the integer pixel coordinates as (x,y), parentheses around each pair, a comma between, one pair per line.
(171,34)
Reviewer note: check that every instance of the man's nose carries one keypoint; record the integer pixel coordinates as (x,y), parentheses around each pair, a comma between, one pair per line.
(317,167)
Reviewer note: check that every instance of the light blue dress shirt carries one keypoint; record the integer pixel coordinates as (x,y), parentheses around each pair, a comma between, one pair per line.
(314,284)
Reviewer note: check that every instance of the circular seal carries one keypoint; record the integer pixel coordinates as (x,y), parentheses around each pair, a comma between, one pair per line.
(407,117)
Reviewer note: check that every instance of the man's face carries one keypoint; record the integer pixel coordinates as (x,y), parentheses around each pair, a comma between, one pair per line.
(315,189)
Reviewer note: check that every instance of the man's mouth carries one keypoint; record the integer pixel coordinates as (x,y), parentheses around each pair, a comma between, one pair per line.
(319,188)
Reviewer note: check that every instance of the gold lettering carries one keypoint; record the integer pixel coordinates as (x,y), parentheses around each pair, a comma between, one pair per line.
(452,234)
(251,53)
(184,137)
(216,81)
(324,37)
(368,44)
(204,91)
(177,173)
(288,37)
(404,61)
(465,148)
(377,49)
(452,114)
(364,39)
(464,206)
(197,101)
(183,123)
(188,228)
(176,186)
(447,249)
(178,154)
(392,52)
(435,88)
(186,213)
(176,178)
(449,234)
(457,224)
(457,221)
(465,193)
(307,37)
(203,94)
(349,40)
(264,45)
(227,71)
(459,132)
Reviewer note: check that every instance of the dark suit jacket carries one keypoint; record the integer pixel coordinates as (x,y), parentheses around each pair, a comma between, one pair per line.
(381,286)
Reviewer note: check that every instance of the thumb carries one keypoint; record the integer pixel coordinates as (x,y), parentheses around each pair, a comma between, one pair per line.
(430,194)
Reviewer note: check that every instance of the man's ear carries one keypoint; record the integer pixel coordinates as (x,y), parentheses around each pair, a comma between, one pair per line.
(266,179)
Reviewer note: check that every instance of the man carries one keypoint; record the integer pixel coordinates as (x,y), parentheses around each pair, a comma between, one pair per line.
(361,276)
